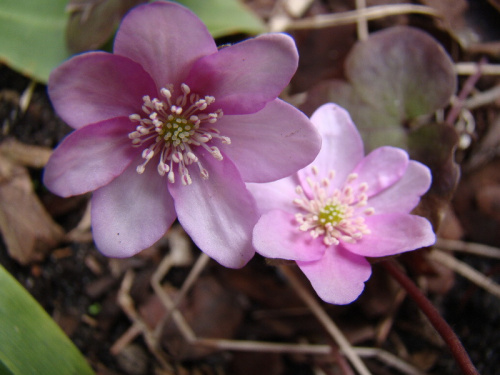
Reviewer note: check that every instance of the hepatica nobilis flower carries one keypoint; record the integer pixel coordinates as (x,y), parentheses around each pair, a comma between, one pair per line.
(169,126)
(342,208)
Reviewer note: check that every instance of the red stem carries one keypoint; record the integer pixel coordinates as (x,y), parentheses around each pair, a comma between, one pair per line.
(466,90)
(451,339)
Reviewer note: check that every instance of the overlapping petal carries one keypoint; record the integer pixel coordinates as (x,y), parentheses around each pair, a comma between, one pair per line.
(218,213)
(165,38)
(393,233)
(264,144)
(131,213)
(381,168)
(247,75)
(276,195)
(342,147)
(339,276)
(90,158)
(97,86)
(276,236)
(405,194)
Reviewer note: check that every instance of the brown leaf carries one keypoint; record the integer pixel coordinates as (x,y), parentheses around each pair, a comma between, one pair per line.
(28,230)
(26,155)
(93,22)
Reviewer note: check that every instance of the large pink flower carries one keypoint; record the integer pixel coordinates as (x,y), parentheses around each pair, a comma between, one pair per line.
(344,207)
(169,126)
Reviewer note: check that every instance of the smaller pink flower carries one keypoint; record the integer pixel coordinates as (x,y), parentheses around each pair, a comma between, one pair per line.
(342,208)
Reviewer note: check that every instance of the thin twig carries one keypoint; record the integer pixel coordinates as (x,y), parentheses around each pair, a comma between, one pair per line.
(326,321)
(389,359)
(469,68)
(127,305)
(25,99)
(221,344)
(464,93)
(451,339)
(195,272)
(466,271)
(469,247)
(483,98)
(349,17)
(262,346)
(361,23)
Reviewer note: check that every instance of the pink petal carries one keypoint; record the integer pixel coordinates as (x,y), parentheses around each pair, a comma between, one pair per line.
(275,195)
(165,38)
(277,235)
(97,86)
(90,157)
(339,276)
(393,234)
(381,169)
(264,144)
(405,194)
(218,213)
(247,75)
(342,147)
(132,212)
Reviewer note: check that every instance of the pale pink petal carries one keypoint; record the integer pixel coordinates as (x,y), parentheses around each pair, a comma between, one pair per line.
(342,147)
(90,157)
(405,194)
(165,38)
(97,86)
(381,169)
(246,75)
(393,234)
(277,235)
(275,195)
(132,212)
(270,144)
(218,213)
(339,276)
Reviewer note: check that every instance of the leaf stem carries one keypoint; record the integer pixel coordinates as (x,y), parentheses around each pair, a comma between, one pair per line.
(451,339)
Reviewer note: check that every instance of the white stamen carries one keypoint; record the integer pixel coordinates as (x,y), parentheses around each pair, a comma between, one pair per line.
(170,129)
(332,214)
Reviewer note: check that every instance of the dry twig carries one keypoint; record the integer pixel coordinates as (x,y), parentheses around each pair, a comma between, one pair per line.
(466,271)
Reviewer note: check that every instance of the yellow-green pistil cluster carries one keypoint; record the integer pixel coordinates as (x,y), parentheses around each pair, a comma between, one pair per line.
(173,131)
(331,214)
(336,214)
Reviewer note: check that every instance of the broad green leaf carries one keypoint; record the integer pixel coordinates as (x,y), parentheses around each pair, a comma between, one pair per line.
(225,17)
(393,77)
(32,36)
(403,70)
(30,341)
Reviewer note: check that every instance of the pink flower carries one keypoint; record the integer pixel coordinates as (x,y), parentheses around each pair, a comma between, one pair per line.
(344,207)
(168,127)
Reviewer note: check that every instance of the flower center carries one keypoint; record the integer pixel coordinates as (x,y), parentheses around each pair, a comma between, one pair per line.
(173,130)
(331,214)
(336,215)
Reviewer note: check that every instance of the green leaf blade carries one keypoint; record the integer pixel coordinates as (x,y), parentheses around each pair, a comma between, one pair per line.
(32,36)
(30,341)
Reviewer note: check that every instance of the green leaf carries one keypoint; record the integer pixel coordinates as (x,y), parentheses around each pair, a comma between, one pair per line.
(30,341)
(403,70)
(393,77)
(225,17)
(32,36)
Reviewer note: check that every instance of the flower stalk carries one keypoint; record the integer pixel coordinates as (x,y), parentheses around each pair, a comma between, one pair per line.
(437,321)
